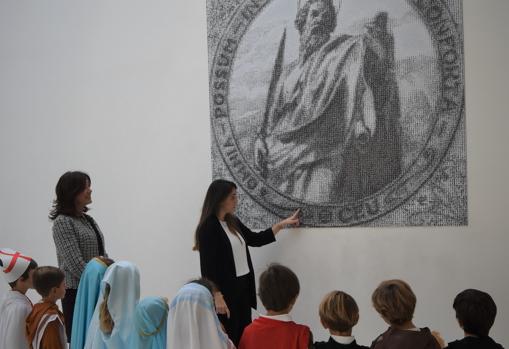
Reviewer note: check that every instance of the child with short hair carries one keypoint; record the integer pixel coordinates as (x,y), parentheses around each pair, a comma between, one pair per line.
(475,312)
(339,313)
(278,290)
(395,301)
(45,325)
(15,307)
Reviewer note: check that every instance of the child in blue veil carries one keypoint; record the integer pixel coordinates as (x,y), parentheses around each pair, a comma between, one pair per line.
(112,324)
(86,299)
(150,322)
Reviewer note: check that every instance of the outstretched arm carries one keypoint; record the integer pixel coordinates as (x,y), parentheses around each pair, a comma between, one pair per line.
(267,236)
(290,220)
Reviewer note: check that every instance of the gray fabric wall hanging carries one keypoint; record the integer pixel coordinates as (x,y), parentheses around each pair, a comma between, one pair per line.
(351,110)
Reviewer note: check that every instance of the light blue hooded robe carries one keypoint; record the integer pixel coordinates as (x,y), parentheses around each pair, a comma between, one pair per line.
(86,300)
(124,280)
(151,324)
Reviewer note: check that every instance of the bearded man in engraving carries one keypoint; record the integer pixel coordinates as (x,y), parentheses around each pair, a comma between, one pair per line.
(331,129)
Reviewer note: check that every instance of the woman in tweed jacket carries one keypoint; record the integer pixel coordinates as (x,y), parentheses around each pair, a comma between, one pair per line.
(77,236)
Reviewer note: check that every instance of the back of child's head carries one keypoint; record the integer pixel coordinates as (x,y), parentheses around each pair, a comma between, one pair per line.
(395,301)
(209,285)
(475,311)
(150,319)
(106,260)
(278,288)
(26,275)
(338,311)
(47,278)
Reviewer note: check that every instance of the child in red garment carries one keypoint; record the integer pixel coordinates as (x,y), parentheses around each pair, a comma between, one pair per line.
(278,291)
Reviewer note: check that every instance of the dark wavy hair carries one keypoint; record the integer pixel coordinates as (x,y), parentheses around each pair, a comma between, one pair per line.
(302,14)
(218,191)
(69,186)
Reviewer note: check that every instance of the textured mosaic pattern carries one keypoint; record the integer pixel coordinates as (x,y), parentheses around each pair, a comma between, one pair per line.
(352,110)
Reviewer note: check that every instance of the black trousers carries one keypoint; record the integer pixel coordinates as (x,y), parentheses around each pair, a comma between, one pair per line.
(68,309)
(240,310)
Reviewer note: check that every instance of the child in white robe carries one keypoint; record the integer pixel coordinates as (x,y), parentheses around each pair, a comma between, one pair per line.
(192,319)
(15,306)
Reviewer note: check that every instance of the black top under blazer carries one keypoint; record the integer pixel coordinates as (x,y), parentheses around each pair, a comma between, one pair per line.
(216,255)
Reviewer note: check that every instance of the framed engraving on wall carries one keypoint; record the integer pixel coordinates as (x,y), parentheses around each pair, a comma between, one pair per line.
(352,110)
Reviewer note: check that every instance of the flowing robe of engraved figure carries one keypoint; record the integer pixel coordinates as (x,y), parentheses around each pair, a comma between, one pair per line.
(332,132)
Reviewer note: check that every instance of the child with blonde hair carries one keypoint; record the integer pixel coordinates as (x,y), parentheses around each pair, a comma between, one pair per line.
(339,313)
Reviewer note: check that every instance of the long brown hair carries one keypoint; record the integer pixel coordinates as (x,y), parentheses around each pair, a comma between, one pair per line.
(218,191)
(69,186)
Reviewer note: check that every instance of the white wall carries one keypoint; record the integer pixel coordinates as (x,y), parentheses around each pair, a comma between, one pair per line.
(119,89)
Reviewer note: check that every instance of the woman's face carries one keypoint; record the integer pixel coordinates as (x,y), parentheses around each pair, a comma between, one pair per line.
(230,203)
(85,197)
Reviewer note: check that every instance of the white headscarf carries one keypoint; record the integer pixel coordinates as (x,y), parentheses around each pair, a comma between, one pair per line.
(124,281)
(193,322)
(13,264)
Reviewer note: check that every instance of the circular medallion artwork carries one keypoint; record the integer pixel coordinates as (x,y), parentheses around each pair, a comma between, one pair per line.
(341,108)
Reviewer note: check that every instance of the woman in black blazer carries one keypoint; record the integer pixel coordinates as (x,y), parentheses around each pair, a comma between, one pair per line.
(223,241)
